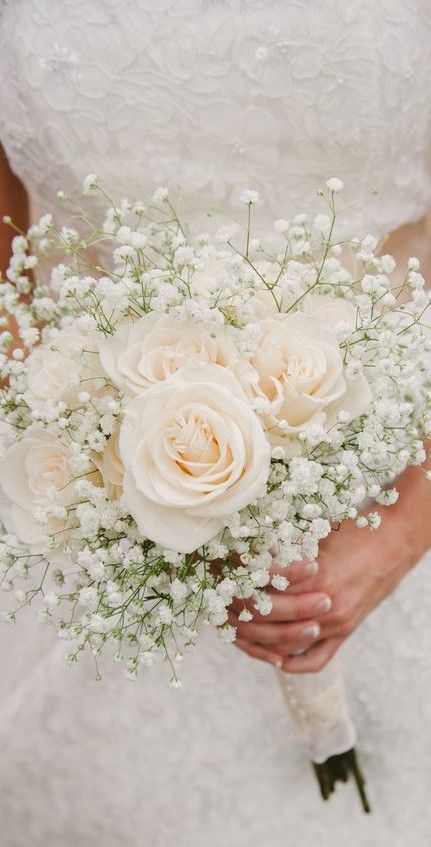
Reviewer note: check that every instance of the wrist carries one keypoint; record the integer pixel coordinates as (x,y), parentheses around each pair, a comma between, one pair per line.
(408,522)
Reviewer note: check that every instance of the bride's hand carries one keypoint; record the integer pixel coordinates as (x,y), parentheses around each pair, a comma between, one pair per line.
(357,569)
(293,622)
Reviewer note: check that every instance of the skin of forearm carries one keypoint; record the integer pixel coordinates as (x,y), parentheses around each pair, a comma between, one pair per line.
(410,516)
(13,202)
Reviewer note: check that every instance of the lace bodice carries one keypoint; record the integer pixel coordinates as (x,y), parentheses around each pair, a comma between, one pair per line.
(211,96)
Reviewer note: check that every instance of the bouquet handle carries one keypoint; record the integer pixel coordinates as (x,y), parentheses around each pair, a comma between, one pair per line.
(318,706)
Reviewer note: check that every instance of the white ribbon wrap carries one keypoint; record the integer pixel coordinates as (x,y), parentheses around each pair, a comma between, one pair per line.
(317,703)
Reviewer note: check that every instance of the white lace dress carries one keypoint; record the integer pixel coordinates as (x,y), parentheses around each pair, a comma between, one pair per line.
(209,98)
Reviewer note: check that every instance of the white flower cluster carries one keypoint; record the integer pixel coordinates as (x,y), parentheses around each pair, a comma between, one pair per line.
(183,405)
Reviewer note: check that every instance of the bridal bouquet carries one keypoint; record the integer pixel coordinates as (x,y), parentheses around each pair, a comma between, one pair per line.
(170,401)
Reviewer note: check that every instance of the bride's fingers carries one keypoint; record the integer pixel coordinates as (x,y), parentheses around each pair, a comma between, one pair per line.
(314,659)
(287,607)
(281,649)
(258,652)
(297,572)
(291,635)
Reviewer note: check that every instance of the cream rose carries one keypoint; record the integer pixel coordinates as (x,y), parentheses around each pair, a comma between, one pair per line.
(300,379)
(334,310)
(61,368)
(210,276)
(30,471)
(111,467)
(153,348)
(194,452)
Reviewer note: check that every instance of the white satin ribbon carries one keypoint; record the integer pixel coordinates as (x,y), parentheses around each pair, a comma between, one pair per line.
(318,706)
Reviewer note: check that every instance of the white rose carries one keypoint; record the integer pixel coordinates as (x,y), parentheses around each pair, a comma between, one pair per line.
(194,452)
(153,348)
(211,276)
(60,369)
(336,311)
(301,380)
(31,471)
(111,467)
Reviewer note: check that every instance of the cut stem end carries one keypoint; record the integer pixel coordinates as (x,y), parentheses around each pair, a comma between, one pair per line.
(338,769)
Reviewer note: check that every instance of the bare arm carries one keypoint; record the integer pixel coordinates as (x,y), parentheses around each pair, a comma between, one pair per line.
(13,202)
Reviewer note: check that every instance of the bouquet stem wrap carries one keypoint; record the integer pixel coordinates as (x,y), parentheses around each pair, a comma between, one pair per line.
(318,706)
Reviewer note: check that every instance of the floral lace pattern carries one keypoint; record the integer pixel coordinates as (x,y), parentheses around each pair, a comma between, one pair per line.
(213,97)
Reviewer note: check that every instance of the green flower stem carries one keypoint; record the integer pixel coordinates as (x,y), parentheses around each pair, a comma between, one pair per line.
(338,769)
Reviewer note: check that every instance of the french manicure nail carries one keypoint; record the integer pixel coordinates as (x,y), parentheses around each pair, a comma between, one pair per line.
(323,605)
(311,631)
(311,568)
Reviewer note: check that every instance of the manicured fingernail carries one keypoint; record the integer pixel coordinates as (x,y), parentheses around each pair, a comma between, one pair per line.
(277,661)
(311,631)
(323,605)
(311,568)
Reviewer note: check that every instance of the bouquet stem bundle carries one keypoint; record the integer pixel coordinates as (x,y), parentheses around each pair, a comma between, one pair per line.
(176,399)
(339,768)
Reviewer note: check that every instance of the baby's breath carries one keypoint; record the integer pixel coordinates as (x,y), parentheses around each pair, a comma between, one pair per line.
(124,279)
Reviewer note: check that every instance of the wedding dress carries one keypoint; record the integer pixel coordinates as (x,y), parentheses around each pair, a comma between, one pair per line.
(209,98)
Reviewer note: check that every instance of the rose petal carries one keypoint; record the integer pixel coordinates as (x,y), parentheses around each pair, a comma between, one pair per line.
(172,528)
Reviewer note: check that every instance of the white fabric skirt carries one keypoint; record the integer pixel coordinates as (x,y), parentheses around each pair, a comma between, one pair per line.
(136,764)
